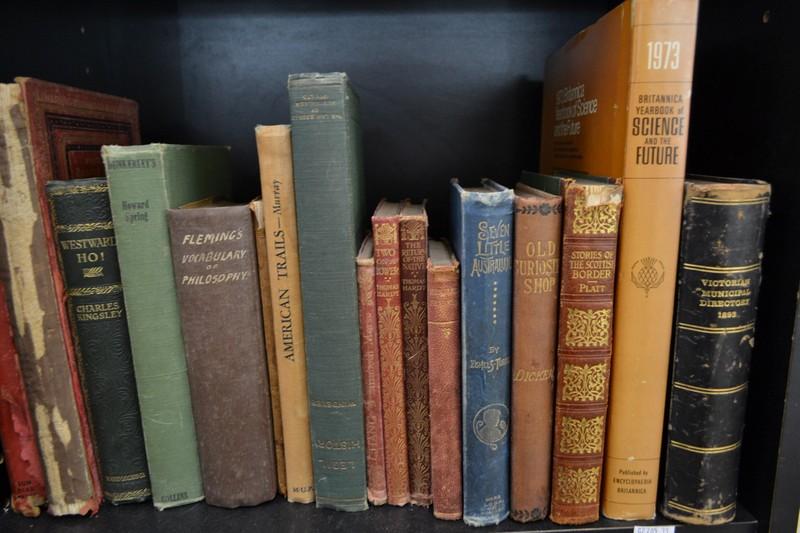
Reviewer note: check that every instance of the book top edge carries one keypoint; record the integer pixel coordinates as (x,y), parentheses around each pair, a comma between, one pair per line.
(441,255)
(367,250)
(160,147)
(318,78)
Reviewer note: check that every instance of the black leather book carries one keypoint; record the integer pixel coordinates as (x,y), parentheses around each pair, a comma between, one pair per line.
(719,273)
(87,250)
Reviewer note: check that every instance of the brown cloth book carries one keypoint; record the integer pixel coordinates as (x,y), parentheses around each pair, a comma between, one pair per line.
(213,252)
(386,233)
(444,376)
(413,292)
(371,374)
(537,255)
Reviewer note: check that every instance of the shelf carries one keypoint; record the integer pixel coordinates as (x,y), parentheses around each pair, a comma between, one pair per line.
(280,516)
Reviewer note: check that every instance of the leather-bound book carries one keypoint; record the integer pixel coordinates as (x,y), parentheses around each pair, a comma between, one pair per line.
(257,208)
(216,275)
(371,371)
(588,262)
(719,274)
(280,227)
(52,132)
(483,225)
(537,256)
(616,103)
(143,182)
(386,233)
(329,199)
(88,256)
(413,296)
(444,379)
(20,451)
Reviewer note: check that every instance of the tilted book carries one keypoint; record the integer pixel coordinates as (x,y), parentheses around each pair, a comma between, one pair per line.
(257,208)
(386,233)
(482,225)
(616,103)
(371,372)
(328,181)
(87,252)
(280,230)
(413,297)
(444,379)
(145,181)
(719,274)
(20,451)
(537,257)
(51,131)
(216,276)
(585,316)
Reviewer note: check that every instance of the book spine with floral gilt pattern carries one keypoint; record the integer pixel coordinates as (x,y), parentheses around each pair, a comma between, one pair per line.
(413,291)
(386,232)
(589,256)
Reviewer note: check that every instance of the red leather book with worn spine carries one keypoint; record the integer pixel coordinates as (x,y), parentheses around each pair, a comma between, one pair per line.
(444,371)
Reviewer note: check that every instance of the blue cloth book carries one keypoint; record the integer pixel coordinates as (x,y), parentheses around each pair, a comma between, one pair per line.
(482,238)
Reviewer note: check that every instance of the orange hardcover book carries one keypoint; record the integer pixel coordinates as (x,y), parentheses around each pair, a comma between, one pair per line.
(616,103)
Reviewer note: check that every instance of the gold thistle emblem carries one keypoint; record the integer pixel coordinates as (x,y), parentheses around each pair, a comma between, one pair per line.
(647,273)
(386,234)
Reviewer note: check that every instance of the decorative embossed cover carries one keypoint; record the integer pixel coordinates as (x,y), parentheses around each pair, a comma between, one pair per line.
(588,259)
(88,256)
(20,452)
(386,234)
(482,239)
(537,256)
(51,132)
(444,378)
(413,293)
(719,274)
(216,275)
(371,370)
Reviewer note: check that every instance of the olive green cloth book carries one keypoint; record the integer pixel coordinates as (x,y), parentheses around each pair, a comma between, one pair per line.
(145,181)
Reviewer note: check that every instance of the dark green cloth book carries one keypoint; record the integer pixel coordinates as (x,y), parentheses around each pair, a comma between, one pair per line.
(329,199)
(145,181)
(87,251)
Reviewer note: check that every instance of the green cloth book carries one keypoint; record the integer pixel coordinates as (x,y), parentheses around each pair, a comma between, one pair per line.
(329,201)
(145,181)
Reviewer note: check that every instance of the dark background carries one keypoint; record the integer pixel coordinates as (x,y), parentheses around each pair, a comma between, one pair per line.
(450,88)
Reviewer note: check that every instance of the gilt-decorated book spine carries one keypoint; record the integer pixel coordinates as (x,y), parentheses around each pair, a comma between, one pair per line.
(413,293)
(216,275)
(588,258)
(20,451)
(719,274)
(371,371)
(280,222)
(444,378)
(326,154)
(386,232)
(537,256)
(87,248)
(257,208)
(483,230)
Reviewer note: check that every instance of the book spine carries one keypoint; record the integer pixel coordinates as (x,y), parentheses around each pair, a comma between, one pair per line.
(213,253)
(371,370)
(326,157)
(537,254)
(269,337)
(47,359)
(588,258)
(88,256)
(139,200)
(484,249)
(386,231)
(661,52)
(444,366)
(280,224)
(414,294)
(715,317)
(20,451)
